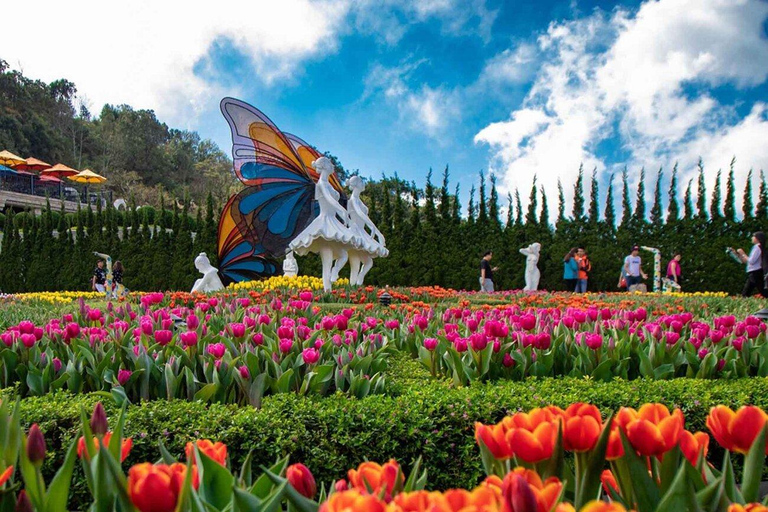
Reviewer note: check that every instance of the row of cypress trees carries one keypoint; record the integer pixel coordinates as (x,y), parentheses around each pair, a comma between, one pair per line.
(55,252)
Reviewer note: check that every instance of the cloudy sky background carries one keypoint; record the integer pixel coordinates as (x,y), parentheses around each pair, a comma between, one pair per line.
(518,88)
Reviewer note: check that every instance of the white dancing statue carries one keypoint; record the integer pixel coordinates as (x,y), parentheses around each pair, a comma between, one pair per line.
(210,282)
(328,234)
(372,241)
(290,266)
(532,274)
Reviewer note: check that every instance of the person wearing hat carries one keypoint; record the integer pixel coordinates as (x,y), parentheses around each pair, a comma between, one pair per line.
(633,269)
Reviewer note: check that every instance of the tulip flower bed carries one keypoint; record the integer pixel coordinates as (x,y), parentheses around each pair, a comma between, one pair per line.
(539,460)
(235,349)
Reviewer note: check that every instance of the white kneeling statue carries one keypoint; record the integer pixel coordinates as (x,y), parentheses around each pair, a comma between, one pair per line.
(328,234)
(532,274)
(210,282)
(290,266)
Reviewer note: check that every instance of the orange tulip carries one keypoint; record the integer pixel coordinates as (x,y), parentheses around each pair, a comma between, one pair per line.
(216,451)
(749,507)
(615,448)
(655,431)
(609,482)
(493,438)
(736,431)
(693,445)
(602,506)
(534,445)
(353,501)
(125,449)
(376,477)
(565,507)
(6,475)
(156,488)
(581,428)
(483,499)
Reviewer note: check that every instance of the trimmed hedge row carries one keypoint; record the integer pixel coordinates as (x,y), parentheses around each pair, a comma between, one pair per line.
(333,434)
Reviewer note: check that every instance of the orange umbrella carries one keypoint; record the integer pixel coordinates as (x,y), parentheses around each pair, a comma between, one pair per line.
(33,164)
(49,178)
(59,171)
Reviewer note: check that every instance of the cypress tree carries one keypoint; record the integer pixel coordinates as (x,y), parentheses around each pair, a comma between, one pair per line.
(530,217)
(456,208)
(714,209)
(560,202)
(688,202)
(518,209)
(482,216)
(729,209)
(578,196)
(639,215)
(701,199)
(673,211)
(493,207)
(657,217)
(471,205)
(444,210)
(510,210)
(747,206)
(761,213)
(544,217)
(610,213)
(626,205)
(594,200)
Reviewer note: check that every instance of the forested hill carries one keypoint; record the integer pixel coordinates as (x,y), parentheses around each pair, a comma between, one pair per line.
(137,152)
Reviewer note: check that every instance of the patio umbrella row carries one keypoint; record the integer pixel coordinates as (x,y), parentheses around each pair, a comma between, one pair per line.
(19,165)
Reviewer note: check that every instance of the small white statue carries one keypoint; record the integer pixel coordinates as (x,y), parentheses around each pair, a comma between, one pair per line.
(290,266)
(328,234)
(210,282)
(532,274)
(372,241)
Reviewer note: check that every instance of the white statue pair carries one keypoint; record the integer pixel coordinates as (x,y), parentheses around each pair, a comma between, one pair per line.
(532,273)
(339,235)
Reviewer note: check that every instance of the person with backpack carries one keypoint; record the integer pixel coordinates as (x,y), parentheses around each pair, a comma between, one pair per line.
(570,270)
(585,267)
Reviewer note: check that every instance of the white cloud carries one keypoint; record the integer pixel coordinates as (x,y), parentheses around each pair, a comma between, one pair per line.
(643,80)
(426,109)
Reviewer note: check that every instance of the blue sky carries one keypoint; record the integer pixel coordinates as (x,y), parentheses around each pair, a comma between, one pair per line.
(518,88)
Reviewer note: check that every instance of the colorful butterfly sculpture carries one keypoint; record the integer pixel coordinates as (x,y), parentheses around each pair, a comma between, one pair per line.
(259,222)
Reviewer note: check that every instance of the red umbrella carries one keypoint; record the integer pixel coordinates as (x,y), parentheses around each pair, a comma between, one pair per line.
(59,171)
(33,164)
(49,178)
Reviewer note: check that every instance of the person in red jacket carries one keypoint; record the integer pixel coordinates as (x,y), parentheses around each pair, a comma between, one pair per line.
(585,267)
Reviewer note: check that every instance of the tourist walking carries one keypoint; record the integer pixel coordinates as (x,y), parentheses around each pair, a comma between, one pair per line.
(486,272)
(633,271)
(674,271)
(570,270)
(755,265)
(99,279)
(585,267)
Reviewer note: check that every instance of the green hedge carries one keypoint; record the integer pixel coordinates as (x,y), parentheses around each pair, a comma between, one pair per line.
(333,434)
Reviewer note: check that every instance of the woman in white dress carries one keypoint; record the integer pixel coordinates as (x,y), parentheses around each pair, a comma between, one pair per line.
(373,243)
(328,234)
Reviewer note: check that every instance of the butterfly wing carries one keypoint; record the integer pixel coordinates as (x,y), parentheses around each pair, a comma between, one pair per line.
(258,142)
(241,255)
(309,154)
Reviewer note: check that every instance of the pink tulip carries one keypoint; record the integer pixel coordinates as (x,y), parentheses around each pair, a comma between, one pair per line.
(672,337)
(285,332)
(163,336)
(285,345)
(430,344)
(738,343)
(123,376)
(217,350)
(258,338)
(244,302)
(310,355)
(26,327)
(461,345)
(306,296)
(703,353)
(264,319)
(342,322)
(28,340)
(8,338)
(188,338)
(94,315)
(593,341)
(56,364)
(237,330)
(508,361)
(244,372)
(192,322)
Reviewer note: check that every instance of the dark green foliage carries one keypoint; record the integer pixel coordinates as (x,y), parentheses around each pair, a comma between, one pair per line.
(578,196)
(747,206)
(673,211)
(729,208)
(626,205)
(594,199)
(657,217)
(610,213)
